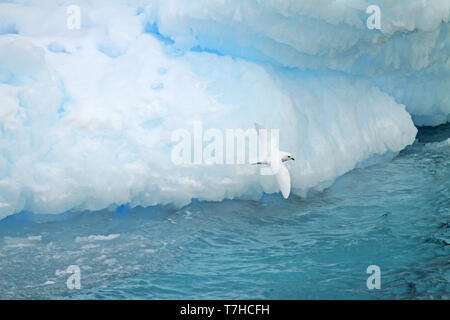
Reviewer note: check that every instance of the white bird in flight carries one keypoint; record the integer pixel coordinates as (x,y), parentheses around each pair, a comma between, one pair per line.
(275,158)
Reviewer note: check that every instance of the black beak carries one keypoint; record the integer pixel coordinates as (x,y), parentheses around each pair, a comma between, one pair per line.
(292,158)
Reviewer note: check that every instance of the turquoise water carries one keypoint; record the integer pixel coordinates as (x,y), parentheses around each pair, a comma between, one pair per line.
(395,215)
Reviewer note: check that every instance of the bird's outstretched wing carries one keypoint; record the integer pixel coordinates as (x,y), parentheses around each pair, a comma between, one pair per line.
(272,154)
(284,180)
(259,127)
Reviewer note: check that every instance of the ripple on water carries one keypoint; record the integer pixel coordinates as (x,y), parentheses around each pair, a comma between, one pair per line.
(395,215)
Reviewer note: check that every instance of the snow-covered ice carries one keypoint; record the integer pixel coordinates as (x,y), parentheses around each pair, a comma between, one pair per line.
(86,115)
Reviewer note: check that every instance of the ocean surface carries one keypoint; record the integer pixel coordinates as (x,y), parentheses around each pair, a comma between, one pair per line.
(395,215)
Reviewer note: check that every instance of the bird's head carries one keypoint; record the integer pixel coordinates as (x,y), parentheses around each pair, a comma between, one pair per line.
(287,156)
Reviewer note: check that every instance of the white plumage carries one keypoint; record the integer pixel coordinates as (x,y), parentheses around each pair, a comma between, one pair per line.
(275,158)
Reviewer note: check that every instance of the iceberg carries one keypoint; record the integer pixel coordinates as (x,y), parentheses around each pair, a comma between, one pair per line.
(86,114)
